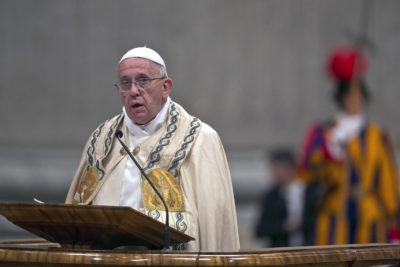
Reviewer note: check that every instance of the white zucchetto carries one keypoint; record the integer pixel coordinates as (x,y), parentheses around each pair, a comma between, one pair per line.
(144,52)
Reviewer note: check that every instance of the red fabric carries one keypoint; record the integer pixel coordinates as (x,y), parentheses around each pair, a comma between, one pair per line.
(346,63)
(307,146)
(394,235)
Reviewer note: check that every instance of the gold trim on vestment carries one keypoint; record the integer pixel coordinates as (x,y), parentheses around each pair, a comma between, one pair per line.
(169,189)
(87,186)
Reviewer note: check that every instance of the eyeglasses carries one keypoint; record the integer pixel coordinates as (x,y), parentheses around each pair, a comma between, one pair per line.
(141,84)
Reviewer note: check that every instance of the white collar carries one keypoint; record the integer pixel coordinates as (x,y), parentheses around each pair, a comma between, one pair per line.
(355,121)
(149,128)
(346,127)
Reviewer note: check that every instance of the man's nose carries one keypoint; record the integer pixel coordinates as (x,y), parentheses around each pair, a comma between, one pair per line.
(134,90)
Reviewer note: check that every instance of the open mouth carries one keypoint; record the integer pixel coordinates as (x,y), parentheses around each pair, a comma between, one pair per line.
(136,105)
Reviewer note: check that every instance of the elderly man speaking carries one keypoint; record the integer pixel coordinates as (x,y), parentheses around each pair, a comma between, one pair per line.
(183,157)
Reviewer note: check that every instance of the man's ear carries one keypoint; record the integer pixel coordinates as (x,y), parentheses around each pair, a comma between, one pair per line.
(167,85)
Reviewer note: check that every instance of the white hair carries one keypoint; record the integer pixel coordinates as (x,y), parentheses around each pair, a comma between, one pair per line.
(162,70)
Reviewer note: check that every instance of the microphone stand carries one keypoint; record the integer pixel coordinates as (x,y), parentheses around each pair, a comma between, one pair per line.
(118,134)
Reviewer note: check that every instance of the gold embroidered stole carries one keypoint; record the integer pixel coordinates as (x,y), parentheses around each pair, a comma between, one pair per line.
(161,156)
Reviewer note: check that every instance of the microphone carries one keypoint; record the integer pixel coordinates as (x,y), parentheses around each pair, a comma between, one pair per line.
(119,134)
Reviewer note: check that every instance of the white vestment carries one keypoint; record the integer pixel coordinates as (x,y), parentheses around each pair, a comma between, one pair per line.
(191,151)
(131,194)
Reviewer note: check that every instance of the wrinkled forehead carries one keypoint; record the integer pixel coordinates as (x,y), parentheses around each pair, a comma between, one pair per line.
(137,66)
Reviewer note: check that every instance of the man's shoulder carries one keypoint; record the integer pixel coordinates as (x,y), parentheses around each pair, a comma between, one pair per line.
(107,126)
(111,121)
(205,128)
(208,138)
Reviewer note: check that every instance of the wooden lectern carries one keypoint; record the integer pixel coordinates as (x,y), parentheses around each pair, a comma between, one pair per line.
(82,230)
(91,227)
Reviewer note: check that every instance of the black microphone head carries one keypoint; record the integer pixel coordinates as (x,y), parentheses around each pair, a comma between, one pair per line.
(118,134)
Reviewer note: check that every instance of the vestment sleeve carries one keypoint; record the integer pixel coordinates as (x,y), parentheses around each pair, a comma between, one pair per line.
(208,181)
(78,174)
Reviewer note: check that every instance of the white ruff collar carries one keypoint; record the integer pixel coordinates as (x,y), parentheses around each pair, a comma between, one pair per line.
(149,128)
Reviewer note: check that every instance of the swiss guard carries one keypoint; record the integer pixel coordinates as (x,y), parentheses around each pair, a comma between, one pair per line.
(353,160)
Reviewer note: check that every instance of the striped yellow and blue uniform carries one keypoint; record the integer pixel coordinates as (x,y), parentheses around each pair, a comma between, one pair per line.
(360,196)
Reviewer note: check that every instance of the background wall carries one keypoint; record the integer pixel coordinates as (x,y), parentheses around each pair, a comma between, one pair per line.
(253,70)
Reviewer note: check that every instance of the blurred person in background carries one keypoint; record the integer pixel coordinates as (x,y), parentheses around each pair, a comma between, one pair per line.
(286,217)
(353,159)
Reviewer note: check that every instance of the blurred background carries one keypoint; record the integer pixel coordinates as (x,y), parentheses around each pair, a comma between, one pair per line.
(254,70)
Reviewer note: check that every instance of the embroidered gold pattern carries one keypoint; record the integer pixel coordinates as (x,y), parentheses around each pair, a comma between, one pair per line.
(168,187)
(88,186)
